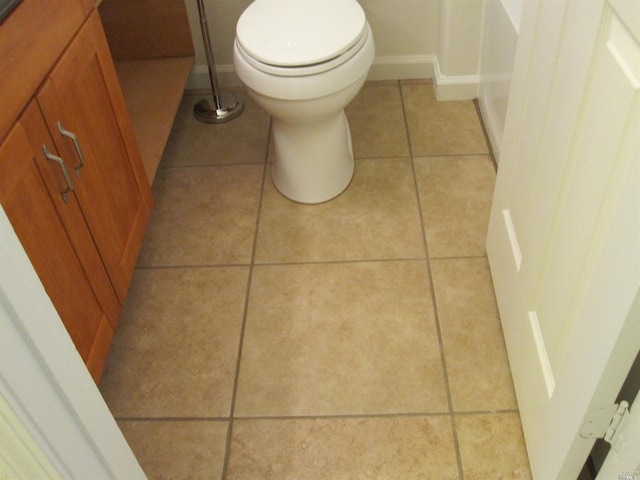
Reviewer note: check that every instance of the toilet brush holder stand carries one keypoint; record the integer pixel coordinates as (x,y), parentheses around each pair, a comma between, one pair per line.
(224,107)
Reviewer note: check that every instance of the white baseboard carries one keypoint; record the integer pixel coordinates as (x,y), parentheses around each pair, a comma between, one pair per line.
(383,68)
(459,87)
(454,87)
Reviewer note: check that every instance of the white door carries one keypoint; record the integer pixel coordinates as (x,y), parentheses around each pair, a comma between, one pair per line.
(564,234)
(47,396)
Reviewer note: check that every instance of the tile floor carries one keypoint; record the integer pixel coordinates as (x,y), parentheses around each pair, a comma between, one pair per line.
(264,339)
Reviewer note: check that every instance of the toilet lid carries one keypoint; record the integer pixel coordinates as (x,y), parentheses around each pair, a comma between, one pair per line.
(293,33)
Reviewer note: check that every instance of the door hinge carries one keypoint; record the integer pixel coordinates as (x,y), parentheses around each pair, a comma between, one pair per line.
(605,422)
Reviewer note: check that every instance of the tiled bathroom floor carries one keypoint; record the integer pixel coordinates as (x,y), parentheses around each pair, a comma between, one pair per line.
(264,339)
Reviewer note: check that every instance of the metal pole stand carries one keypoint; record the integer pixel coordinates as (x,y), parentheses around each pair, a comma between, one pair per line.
(225,107)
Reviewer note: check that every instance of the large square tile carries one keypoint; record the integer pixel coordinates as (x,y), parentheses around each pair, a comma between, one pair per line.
(477,364)
(243,140)
(455,197)
(176,348)
(340,330)
(342,448)
(492,446)
(375,217)
(345,338)
(441,128)
(203,216)
(178,449)
(376,119)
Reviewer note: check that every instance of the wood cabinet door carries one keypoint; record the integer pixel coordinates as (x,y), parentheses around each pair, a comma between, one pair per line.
(30,188)
(82,97)
(31,39)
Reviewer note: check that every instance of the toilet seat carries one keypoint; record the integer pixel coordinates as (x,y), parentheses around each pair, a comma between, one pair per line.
(300,37)
(304,70)
(304,83)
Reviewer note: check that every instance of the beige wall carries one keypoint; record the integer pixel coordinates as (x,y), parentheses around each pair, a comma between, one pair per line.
(408,34)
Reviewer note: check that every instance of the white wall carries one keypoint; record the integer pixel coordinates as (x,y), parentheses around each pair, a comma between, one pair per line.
(406,36)
(501,27)
(458,60)
(414,39)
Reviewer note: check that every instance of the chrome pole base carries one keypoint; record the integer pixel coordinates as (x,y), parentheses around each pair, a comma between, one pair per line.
(225,108)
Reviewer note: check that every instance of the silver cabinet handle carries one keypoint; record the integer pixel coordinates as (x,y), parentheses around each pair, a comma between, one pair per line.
(76,143)
(63,167)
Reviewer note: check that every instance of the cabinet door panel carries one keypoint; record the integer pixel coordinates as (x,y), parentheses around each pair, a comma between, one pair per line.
(70,213)
(25,197)
(31,40)
(83,94)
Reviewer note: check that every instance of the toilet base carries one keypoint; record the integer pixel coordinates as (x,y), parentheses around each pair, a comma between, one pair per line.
(313,159)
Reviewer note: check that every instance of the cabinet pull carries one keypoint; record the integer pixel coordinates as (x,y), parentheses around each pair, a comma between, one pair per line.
(63,167)
(76,143)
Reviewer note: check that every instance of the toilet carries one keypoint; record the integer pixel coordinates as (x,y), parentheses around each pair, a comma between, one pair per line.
(303,61)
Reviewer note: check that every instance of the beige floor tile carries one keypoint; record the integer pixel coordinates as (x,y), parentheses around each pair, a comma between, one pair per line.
(178,450)
(348,448)
(175,351)
(356,338)
(441,128)
(376,217)
(455,197)
(203,216)
(376,119)
(477,364)
(321,339)
(243,140)
(492,447)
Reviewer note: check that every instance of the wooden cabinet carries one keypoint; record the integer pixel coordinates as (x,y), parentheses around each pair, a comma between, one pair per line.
(31,40)
(82,228)
(82,95)
(56,238)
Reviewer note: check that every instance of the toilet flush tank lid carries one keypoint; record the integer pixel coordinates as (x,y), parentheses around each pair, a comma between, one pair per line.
(292,33)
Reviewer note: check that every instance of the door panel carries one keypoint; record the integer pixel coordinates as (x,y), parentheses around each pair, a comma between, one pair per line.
(565,224)
(591,186)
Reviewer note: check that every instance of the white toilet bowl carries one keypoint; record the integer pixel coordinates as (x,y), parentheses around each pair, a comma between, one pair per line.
(303,61)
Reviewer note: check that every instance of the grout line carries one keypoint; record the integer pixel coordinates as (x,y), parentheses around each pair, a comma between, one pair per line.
(487,412)
(338,262)
(194,266)
(445,373)
(307,262)
(212,165)
(369,157)
(375,415)
(459,257)
(344,416)
(319,416)
(232,407)
(446,155)
(381,157)
(172,419)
